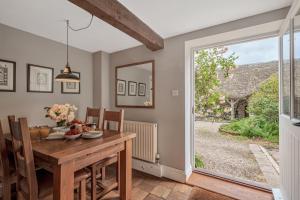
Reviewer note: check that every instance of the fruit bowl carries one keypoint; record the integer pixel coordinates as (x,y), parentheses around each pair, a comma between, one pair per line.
(72,134)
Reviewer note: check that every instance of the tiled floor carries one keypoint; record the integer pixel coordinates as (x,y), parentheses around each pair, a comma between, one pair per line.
(146,187)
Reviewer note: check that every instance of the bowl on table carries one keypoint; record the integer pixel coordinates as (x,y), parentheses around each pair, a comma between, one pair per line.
(92,134)
(72,134)
(61,129)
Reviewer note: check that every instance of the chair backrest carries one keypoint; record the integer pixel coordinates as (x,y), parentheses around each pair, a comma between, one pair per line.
(5,168)
(94,113)
(23,154)
(113,116)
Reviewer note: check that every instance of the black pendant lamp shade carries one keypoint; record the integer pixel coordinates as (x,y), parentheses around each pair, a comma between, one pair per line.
(67,75)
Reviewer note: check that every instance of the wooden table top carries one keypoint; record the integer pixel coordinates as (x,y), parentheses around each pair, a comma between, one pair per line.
(60,151)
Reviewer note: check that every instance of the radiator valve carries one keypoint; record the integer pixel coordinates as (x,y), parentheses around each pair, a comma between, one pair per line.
(157,158)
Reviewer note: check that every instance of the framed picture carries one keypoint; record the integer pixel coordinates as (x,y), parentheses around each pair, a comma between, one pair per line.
(132,87)
(121,87)
(142,89)
(69,87)
(39,79)
(7,76)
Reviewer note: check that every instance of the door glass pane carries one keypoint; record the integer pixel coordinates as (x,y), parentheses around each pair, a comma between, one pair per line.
(297,67)
(286,77)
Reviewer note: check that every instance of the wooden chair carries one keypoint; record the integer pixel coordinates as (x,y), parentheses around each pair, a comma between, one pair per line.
(98,169)
(93,113)
(33,184)
(7,169)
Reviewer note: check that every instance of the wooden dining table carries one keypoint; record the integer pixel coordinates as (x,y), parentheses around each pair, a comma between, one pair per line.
(64,157)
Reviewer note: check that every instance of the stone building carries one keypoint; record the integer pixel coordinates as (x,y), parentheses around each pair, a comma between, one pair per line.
(242,82)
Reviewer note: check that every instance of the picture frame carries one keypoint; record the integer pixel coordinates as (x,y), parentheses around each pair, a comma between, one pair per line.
(39,78)
(7,76)
(71,87)
(132,88)
(121,87)
(142,89)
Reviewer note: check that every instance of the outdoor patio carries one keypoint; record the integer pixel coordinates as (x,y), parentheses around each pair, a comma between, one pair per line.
(236,156)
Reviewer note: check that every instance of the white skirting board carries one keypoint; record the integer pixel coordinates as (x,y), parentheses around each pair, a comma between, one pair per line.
(160,170)
(277,194)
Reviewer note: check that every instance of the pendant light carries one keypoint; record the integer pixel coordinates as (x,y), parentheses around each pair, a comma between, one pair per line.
(67,75)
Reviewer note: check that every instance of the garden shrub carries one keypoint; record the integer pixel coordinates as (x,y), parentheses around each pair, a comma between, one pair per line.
(264,102)
(198,161)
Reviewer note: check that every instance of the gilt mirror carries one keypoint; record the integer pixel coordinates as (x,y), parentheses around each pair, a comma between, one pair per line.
(134,85)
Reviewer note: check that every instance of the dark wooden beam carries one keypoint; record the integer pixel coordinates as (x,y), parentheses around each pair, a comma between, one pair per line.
(117,15)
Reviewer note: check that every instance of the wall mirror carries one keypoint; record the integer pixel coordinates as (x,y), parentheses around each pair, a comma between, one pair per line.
(134,86)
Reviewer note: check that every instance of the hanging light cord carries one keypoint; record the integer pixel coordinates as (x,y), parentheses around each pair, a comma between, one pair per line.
(79,29)
(73,29)
(67,43)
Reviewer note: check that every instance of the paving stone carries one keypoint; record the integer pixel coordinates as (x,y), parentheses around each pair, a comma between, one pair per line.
(168,183)
(161,191)
(182,188)
(152,197)
(146,186)
(177,196)
(138,194)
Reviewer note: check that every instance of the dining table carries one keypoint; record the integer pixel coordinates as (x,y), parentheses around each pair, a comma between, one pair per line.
(64,157)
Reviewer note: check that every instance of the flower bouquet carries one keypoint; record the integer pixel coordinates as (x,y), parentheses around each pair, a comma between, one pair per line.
(61,113)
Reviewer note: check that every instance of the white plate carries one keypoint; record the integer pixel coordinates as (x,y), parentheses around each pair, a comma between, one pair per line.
(56,135)
(92,134)
(72,137)
(61,129)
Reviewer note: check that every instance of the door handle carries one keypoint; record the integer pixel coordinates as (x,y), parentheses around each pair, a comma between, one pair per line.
(296,124)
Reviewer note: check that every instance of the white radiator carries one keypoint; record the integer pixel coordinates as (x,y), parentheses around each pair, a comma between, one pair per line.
(145,144)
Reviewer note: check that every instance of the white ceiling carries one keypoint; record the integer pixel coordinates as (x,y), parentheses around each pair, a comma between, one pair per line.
(167,17)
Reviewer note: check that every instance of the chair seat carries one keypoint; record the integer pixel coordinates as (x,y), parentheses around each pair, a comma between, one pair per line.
(45,182)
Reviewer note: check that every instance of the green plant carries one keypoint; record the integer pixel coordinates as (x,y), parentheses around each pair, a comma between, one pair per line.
(253,127)
(264,102)
(198,161)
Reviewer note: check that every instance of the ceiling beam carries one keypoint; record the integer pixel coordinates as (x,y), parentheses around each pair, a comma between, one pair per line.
(117,15)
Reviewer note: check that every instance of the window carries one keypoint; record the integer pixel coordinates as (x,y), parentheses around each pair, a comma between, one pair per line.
(297,68)
(286,76)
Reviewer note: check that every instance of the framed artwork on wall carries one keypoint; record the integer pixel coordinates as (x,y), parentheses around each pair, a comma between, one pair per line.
(121,87)
(39,79)
(70,87)
(132,88)
(142,89)
(7,76)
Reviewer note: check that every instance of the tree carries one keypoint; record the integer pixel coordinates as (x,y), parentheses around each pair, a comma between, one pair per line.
(208,101)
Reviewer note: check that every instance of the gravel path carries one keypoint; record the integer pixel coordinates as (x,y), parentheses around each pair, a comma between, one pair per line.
(226,154)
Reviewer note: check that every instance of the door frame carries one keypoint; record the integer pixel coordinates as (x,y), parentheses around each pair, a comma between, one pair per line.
(261,31)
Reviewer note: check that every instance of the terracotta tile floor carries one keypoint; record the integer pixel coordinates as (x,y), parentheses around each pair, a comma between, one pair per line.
(147,187)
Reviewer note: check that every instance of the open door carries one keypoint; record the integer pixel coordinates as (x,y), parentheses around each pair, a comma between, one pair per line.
(290,109)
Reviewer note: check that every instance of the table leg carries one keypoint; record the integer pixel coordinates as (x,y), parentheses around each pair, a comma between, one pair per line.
(63,180)
(126,171)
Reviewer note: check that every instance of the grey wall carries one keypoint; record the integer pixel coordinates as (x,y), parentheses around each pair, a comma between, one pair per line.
(101,79)
(169,111)
(23,48)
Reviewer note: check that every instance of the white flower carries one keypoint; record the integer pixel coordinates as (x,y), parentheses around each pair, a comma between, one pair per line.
(64,112)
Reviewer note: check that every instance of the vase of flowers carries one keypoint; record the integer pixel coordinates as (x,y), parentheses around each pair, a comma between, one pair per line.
(61,113)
